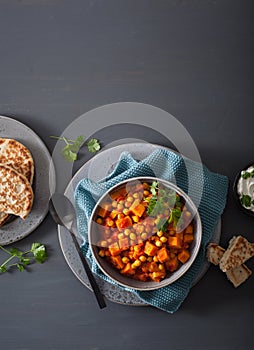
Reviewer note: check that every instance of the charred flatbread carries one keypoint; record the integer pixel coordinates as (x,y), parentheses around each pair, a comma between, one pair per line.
(15,155)
(16,193)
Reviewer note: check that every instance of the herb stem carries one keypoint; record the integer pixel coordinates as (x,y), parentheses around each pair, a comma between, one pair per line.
(6,261)
(5,250)
(62,139)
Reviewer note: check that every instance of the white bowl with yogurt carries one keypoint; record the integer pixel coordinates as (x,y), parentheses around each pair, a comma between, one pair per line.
(244,189)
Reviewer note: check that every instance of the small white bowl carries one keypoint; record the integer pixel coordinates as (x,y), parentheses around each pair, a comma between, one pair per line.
(126,281)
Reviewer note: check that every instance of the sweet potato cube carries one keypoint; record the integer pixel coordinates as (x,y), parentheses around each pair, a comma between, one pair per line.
(128,270)
(137,208)
(113,214)
(172,264)
(153,267)
(189,229)
(123,223)
(102,212)
(117,261)
(163,255)
(109,222)
(183,256)
(175,242)
(150,249)
(135,218)
(119,193)
(114,249)
(188,238)
(124,243)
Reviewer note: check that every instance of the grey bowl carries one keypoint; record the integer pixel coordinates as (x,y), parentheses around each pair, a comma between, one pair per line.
(128,282)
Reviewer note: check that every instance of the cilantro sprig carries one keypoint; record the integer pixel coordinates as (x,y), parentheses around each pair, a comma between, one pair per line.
(157,206)
(72,147)
(19,259)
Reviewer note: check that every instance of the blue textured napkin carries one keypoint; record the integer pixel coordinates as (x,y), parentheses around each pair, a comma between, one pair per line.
(175,168)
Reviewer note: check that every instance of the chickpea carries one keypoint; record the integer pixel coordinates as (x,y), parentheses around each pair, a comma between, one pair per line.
(136,263)
(155,259)
(102,253)
(114,204)
(120,216)
(126,211)
(136,195)
(120,206)
(127,232)
(160,233)
(158,244)
(120,235)
(163,239)
(161,267)
(146,193)
(133,236)
(125,260)
(140,228)
(143,236)
(142,258)
(127,204)
(99,221)
(129,199)
(104,244)
(146,186)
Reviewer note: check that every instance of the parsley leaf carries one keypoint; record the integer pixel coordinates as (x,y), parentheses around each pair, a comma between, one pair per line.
(37,253)
(93,145)
(72,147)
(246,200)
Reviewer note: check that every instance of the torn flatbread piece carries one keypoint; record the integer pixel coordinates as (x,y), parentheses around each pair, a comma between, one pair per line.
(16,193)
(239,251)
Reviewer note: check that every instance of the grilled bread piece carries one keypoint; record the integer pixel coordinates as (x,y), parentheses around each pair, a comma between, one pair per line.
(214,253)
(18,157)
(16,193)
(239,250)
(237,275)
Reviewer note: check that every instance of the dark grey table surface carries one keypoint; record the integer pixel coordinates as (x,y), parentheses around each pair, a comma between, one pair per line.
(193,59)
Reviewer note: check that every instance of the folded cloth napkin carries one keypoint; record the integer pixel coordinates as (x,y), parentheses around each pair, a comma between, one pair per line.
(208,191)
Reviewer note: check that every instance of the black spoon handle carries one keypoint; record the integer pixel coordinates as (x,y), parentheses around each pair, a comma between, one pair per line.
(89,273)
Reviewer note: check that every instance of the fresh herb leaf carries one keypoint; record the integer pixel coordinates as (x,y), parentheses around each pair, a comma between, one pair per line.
(37,253)
(245,175)
(20,267)
(246,200)
(72,147)
(154,188)
(162,225)
(93,145)
(3,268)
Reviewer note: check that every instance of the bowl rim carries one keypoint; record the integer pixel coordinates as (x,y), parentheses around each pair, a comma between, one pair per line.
(236,195)
(184,267)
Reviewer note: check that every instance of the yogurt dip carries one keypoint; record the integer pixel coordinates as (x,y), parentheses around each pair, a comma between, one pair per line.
(245,188)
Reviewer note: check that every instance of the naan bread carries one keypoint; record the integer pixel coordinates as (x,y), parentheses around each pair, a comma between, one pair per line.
(239,250)
(16,193)
(236,275)
(17,156)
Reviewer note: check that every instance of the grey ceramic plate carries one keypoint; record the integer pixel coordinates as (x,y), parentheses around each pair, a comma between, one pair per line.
(43,179)
(96,169)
